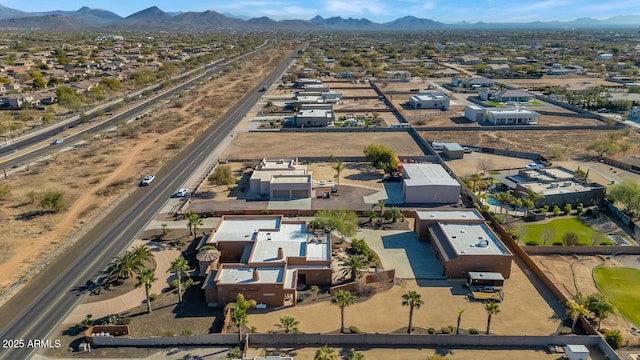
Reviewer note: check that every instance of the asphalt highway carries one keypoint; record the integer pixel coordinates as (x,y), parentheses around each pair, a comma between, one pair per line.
(33,312)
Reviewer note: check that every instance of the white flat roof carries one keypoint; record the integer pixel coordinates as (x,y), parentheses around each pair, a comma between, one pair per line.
(243,229)
(267,174)
(427,174)
(294,241)
(440,215)
(291,179)
(245,275)
(471,239)
(561,187)
(511,111)
(315,113)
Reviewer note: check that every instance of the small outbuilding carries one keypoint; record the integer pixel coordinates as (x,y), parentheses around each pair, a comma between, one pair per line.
(453,151)
(429,184)
(577,352)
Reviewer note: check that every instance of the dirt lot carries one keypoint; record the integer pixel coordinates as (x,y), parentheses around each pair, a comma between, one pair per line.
(277,145)
(96,173)
(573,273)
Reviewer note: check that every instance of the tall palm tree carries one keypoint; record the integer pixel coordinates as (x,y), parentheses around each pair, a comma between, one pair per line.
(382,206)
(289,323)
(460,312)
(474,179)
(343,299)
(188,216)
(194,223)
(146,278)
(142,253)
(179,266)
(338,168)
(123,266)
(413,300)
(492,308)
(326,352)
(353,266)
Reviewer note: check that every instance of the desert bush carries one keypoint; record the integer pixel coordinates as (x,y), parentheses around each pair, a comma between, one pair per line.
(613,338)
(186,332)
(431,330)
(473,331)
(557,243)
(445,330)
(567,209)
(153,297)
(168,333)
(354,329)
(579,208)
(556,210)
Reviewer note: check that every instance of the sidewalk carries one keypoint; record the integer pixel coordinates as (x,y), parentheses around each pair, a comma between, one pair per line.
(163,256)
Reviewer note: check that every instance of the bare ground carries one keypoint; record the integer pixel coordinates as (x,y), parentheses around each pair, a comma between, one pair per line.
(93,175)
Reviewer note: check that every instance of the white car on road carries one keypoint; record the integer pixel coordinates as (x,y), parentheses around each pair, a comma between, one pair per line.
(182,192)
(146,181)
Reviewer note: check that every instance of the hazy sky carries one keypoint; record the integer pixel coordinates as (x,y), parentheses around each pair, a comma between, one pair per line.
(447,11)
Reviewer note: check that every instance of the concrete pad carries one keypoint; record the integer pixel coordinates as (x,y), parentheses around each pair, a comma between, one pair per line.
(376,197)
(402,251)
(302,204)
(395,192)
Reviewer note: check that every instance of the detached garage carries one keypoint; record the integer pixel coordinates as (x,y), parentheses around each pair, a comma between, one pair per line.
(429,184)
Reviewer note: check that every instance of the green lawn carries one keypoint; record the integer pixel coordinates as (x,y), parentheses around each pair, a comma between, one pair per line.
(494,103)
(622,287)
(560,227)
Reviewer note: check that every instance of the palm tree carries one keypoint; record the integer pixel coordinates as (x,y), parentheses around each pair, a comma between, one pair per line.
(326,352)
(460,312)
(146,278)
(343,299)
(289,323)
(413,300)
(353,266)
(354,355)
(142,254)
(396,214)
(492,308)
(194,223)
(371,214)
(338,168)
(380,205)
(189,215)
(474,179)
(179,266)
(123,266)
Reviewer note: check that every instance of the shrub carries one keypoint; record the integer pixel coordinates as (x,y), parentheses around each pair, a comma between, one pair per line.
(473,331)
(556,210)
(234,353)
(606,243)
(545,209)
(451,327)
(613,338)
(173,284)
(445,330)
(514,234)
(579,208)
(531,243)
(360,247)
(570,238)
(186,332)
(567,209)
(558,243)
(153,297)
(168,333)
(354,330)
(315,289)
(499,218)
(431,331)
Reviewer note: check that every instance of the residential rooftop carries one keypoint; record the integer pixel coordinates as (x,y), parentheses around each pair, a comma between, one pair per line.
(427,174)
(243,229)
(444,215)
(468,239)
(563,187)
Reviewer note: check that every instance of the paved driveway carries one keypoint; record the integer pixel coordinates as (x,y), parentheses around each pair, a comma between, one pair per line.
(401,250)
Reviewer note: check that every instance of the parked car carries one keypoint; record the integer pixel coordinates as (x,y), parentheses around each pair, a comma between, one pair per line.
(534,166)
(182,192)
(146,181)
(57,141)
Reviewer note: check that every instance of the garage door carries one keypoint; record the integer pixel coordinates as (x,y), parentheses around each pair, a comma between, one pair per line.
(300,193)
(280,194)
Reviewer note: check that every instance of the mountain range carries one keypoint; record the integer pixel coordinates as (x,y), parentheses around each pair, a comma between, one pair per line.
(154,19)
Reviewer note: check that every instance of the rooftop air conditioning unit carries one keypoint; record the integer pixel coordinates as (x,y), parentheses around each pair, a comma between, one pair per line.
(553,185)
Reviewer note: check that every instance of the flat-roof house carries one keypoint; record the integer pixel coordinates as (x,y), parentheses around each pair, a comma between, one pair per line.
(473,82)
(428,184)
(475,113)
(300,83)
(281,179)
(314,118)
(512,116)
(430,100)
(266,258)
(513,96)
(558,186)
(463,242)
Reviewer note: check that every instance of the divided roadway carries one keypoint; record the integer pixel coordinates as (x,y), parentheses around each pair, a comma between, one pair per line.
(34,311)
